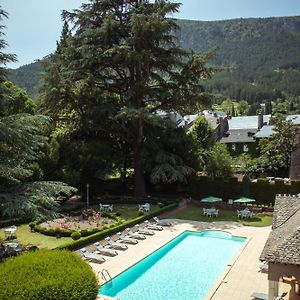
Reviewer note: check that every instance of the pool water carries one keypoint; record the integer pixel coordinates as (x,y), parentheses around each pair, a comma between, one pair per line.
(185,268)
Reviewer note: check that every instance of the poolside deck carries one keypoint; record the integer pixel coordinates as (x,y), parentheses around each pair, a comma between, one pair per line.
(238,281)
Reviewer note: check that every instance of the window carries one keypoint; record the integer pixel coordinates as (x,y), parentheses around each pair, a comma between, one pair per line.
(233,147)
(246,149)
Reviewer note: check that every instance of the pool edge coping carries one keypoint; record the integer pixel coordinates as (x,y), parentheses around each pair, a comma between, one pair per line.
(219,281)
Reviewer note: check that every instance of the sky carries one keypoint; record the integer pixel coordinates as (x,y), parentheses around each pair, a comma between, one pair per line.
(34,26)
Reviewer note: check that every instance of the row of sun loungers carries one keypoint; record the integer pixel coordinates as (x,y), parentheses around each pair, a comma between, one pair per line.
(123,238)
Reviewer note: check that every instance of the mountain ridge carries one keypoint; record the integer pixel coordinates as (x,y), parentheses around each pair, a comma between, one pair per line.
(260,56)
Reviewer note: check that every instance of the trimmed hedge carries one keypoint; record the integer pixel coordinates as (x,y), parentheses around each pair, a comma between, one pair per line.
(113,230)
(263,191)
(14,221)
(47,274)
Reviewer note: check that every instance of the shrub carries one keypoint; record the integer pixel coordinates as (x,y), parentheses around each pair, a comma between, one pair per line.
(47,275)
(110,231)
(76,235)
(141,213)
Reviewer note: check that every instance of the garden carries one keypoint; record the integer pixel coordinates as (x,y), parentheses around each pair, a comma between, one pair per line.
(54,233)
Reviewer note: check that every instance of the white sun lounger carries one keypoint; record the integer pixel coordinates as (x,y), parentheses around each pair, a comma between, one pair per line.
(115,245)
(263,296)
(143,230)
(162,222)
(92,256)
(105,251)
(135,235)
(153,226)
(126,239)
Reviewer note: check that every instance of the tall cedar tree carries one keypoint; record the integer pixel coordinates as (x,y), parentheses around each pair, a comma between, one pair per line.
(127,48)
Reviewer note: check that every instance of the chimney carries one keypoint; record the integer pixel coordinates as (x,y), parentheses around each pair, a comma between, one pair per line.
(295,157)
(223,127)
(260,122)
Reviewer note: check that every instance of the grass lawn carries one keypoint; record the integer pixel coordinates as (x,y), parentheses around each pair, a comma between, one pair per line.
(195,214)
(25,237)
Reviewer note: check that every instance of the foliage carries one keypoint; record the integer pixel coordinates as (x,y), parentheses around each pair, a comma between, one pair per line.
(219,162)
(76,235)
(137,70)
(47,275)
(263,191)
(35,200)
(167,153)
(20,142)
(4,57)
(275,151)
(257,68)
(115,228)
(14,100)
(202,138)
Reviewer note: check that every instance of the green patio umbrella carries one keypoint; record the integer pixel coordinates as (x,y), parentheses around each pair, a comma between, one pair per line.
(244,200)
(211,199)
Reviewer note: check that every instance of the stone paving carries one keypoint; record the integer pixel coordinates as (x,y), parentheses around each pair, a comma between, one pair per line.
(238,281)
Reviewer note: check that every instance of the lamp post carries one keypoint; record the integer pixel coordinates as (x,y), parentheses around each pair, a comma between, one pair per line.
(87,195)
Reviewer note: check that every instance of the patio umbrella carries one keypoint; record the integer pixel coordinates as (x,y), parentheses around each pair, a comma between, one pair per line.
(244,200)
(211,199)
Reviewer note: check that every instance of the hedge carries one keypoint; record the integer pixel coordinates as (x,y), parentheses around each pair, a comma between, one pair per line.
(47,274)
(14,221)
(263,191)
(73,245)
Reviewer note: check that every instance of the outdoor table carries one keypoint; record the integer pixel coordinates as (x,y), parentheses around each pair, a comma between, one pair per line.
(107,207)
(209,211)
(246,213)
(144,207)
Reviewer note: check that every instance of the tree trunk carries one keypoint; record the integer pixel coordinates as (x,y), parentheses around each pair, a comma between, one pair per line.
(139,180)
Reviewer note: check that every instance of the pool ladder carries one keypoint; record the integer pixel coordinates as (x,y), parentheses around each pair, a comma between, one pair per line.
(104,275)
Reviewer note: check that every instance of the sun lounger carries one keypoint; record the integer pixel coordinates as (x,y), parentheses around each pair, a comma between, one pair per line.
(105,251)
(115,245)
(126,239)
(135,235)
(92,256)
(143,230)
(153,226)
(162,222)
(263,296)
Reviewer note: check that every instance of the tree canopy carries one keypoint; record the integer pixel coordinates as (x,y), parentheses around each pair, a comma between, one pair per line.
(122,57)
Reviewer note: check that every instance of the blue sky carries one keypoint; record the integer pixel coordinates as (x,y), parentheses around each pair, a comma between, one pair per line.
(34,26)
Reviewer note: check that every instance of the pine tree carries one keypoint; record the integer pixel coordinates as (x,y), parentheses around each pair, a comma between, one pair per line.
(127,48)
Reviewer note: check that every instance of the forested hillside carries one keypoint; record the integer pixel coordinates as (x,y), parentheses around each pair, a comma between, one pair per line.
(260,57)
(27,77)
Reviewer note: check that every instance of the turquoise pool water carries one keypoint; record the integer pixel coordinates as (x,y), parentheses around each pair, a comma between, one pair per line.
(185,268)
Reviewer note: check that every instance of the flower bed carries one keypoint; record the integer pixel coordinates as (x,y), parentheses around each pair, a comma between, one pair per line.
(89,222)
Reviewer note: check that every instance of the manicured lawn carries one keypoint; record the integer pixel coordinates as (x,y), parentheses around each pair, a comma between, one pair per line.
(195,214)
(25,237)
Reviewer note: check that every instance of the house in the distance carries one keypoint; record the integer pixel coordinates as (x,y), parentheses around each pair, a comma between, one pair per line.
(241,135)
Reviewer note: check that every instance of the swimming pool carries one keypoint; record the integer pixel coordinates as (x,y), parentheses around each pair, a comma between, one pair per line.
(185,268)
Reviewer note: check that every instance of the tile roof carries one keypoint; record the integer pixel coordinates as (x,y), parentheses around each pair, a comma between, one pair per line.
(246,122)
(283,244)
(239,136)
(294,118)
(265,131)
